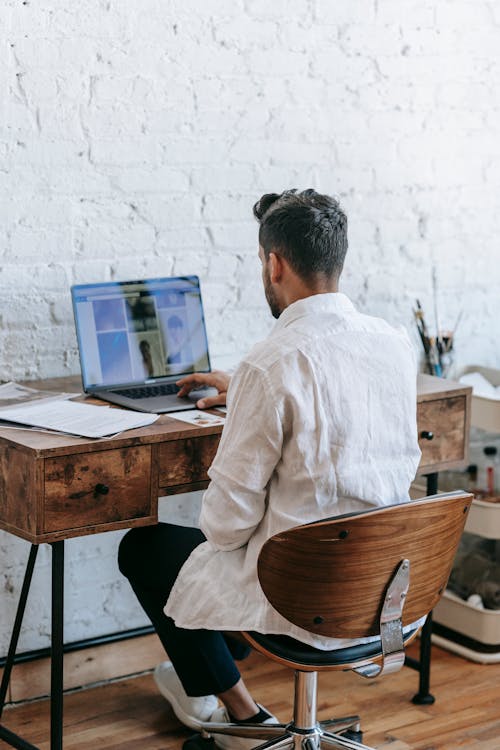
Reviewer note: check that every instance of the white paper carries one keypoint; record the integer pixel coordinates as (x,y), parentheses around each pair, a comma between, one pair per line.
(481,386)
(76,418)
(199,418)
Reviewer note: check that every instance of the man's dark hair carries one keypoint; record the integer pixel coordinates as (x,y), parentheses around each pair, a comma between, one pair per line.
(308,229)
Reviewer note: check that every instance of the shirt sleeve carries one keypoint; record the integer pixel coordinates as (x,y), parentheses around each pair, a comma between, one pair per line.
(250,447)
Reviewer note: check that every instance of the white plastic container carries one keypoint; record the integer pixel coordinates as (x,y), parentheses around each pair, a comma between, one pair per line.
(481,625)
(484,519)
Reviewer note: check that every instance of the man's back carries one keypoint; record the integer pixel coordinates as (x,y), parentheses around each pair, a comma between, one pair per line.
(345,386)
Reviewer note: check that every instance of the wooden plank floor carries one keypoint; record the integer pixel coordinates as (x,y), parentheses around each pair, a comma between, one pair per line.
(130,714)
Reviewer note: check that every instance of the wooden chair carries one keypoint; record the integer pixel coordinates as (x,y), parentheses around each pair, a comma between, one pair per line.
(367,574)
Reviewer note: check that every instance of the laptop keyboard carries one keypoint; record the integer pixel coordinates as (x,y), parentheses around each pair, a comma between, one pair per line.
(150,391)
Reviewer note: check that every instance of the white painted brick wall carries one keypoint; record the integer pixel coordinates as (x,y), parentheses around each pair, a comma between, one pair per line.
(135,137)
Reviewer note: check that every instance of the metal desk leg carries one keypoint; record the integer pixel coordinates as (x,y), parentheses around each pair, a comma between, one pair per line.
(57,641)
(432,483)
(424,697)
(9,737)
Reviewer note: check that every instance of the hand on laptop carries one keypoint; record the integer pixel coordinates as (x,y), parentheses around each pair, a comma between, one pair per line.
(216,379)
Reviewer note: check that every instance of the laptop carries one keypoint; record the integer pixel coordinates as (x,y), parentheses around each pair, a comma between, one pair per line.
(136,338)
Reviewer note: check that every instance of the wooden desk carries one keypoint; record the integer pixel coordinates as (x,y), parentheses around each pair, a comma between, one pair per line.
(56,487)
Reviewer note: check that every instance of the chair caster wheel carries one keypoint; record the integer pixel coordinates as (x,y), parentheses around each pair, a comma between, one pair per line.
(197,742)
(352,734)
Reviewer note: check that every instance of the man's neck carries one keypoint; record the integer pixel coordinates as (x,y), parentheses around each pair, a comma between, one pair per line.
(301,290)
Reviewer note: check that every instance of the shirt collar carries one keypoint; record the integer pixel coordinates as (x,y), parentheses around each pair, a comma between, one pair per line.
(330,302)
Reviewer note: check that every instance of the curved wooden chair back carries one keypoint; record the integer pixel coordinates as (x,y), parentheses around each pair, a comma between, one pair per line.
(330,577)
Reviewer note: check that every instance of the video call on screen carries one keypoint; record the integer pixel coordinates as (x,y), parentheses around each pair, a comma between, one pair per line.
(135,331)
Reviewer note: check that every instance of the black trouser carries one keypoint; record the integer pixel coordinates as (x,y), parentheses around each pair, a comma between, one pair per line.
(151,558)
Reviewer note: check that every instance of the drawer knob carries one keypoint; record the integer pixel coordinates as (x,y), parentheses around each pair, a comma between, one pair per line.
(427,435)
(101,489)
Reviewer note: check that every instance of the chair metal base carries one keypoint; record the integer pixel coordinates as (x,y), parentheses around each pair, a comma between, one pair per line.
(281,736)
(303,733)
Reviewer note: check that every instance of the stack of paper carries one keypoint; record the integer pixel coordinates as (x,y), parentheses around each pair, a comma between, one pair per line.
(76,418)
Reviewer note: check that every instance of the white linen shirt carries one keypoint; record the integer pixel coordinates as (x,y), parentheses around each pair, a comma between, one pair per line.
(321,421)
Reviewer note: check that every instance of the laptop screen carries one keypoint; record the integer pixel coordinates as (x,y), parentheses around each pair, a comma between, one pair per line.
(135,332)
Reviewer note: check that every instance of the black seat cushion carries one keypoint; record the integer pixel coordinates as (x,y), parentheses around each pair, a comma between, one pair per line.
(301,653)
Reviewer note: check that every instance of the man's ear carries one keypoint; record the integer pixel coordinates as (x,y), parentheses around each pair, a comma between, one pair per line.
(275,267)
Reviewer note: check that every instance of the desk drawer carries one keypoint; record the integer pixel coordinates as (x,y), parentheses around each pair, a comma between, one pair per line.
(186,462)
(96,489)
(441,431)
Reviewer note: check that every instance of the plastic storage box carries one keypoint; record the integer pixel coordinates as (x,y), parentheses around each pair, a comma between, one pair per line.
(484,519)
(480,627)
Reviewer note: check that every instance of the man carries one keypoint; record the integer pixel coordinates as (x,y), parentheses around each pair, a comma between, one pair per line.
(321,421)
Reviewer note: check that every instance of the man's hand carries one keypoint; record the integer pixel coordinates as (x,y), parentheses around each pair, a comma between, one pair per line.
(216,379)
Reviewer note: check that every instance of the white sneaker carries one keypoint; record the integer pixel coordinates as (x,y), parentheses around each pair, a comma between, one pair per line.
(190,711)
(228,741)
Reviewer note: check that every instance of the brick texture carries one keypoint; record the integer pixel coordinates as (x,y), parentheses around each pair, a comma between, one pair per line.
(135,136)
